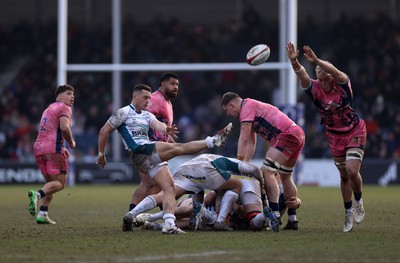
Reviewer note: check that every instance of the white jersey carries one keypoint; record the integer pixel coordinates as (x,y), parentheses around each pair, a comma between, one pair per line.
(210,171)
(132,126)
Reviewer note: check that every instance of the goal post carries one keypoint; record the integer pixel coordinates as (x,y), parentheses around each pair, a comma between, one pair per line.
(287,85)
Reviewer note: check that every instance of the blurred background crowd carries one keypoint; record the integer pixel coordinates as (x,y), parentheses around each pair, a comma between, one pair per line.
(367,49)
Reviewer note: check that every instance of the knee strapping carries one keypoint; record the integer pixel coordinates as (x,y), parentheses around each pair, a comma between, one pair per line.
(354,155)
(277,167)
(271,164)
(286,170)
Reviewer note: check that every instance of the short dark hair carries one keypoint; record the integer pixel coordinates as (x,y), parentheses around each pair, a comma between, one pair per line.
(63,88)
(140,87)
(227,97)
(167,76)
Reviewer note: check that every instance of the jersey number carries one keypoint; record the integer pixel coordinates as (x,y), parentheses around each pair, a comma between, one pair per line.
(42,128)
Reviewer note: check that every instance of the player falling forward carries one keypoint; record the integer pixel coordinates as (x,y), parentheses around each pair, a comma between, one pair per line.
(333,97)
(133,123)
(50,154)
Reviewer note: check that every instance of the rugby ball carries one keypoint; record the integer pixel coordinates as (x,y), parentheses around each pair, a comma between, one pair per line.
(258,55)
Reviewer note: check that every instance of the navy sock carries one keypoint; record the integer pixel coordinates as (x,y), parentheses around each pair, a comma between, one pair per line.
(357,196)
(274,206)
(44,208)
(291,211)
(348,205)
(131,206)
(41,193)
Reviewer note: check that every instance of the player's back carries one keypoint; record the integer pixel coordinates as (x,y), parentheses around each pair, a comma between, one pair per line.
(49,139)
(267,119)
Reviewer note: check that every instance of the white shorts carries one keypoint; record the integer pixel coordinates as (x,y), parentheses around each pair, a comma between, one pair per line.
(152,165)
(251,192)
(198,178)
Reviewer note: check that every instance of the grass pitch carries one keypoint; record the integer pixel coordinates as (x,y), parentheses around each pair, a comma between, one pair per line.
(89,222)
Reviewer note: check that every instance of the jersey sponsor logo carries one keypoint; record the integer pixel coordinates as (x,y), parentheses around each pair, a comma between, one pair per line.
(195,179)
(139,133)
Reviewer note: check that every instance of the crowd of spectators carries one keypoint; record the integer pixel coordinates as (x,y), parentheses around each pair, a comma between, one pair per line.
(370,57)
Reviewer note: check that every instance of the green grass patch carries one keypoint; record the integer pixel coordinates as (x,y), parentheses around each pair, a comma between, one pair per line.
(89,220)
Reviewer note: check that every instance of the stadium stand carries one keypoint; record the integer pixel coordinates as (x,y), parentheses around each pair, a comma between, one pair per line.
(371,57)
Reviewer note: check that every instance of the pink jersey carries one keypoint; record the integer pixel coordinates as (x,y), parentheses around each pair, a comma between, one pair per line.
(267,120)
(162,109)
(49,139)
(335,108)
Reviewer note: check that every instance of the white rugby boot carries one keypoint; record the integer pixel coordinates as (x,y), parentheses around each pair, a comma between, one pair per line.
(359,212)
(348,223)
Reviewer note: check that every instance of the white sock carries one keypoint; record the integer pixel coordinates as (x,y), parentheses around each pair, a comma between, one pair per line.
(277,214)
(210,216)
(145,205)
(259,221)
(358,202)
(210,142)
(292,218)
(227,202)
(169,220)
(157,216)
(42,213)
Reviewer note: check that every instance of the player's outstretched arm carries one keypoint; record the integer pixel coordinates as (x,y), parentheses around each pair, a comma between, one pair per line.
(338,76)
(302,75)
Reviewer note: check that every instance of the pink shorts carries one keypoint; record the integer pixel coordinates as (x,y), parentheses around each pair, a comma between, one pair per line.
(52,163)
(340,143)
(290,142)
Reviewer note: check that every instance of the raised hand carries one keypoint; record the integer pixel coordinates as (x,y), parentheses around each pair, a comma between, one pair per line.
(309,54)
(291,51)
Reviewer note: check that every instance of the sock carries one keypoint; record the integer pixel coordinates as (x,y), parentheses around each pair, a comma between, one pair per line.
(131,206)
(157,216)
(40,194)
(169,220)
(210,142)
(275,209)
(357,196)
(259,221)
(43,210)
(227,202)
(348,205)
(145,205)
(210,216)
(357,202)
(292,214)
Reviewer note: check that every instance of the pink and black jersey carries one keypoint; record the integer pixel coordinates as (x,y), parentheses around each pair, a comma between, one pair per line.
(162,109)
(335,108)
(49,139)
(267,120)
